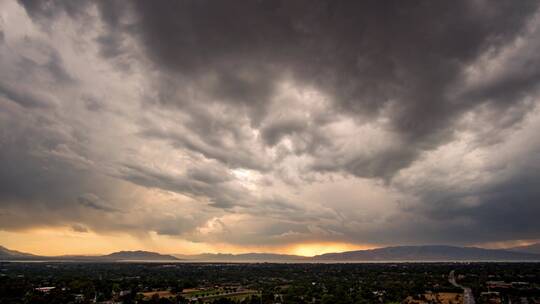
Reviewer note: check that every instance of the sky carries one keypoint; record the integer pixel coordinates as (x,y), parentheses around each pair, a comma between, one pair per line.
(296,127)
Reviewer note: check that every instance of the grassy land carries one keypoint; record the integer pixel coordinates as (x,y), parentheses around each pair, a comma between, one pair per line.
(441,297)
(213,294)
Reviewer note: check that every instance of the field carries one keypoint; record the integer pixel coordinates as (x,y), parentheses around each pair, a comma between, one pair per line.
(209,295)
(162,294)
(439,298)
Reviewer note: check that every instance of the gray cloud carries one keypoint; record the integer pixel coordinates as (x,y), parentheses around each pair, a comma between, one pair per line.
(46,11)
(90,200)
(26,98)
(367,56)
(204,185)
(79,228)
(223,120)
(211,143)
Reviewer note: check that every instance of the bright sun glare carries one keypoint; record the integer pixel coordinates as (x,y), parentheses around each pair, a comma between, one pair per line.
(312,249)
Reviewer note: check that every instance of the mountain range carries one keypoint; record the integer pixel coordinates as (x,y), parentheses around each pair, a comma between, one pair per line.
(6,254)
(429,253)
(138,255)
(242,257)
(534,248)
(396,253)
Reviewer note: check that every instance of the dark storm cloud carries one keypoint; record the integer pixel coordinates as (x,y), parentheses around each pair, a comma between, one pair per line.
(93,103)
(38,60)
(79,228)
(210,76)
(40,188)
(35,188)
(384,164)
(274,132)
(27,138)
(198,184)
(25,98)
(497,211)
(90,200)
(367,55)
(57,69)
(49,9)
(210,175)
(210,142)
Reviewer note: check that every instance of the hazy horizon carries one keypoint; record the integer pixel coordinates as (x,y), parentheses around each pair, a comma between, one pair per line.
(293,127)
(216,254)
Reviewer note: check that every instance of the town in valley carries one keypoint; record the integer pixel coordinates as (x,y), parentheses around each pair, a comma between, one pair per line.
(325,283)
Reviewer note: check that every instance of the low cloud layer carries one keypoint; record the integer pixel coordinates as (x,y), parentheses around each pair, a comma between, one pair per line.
(272,122)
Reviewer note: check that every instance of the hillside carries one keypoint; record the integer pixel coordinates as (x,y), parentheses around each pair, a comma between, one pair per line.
(398,253)
(7,254)
(428,253)
(267,257)
(137,255)
(13,254)
(534,248)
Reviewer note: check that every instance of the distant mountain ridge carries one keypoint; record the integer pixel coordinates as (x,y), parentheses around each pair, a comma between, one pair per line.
(4,252)
(242,257)
(139,255)
(533,248)
(429,253)
(397,253)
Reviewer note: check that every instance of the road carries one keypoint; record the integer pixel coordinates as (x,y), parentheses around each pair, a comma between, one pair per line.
(468,297)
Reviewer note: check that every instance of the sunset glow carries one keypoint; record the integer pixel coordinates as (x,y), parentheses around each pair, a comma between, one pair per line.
(313,249)
(286,127)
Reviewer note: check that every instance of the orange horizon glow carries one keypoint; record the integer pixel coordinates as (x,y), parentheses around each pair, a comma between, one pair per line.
(507,244)
(312,249)
(64,241)
(56,242)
